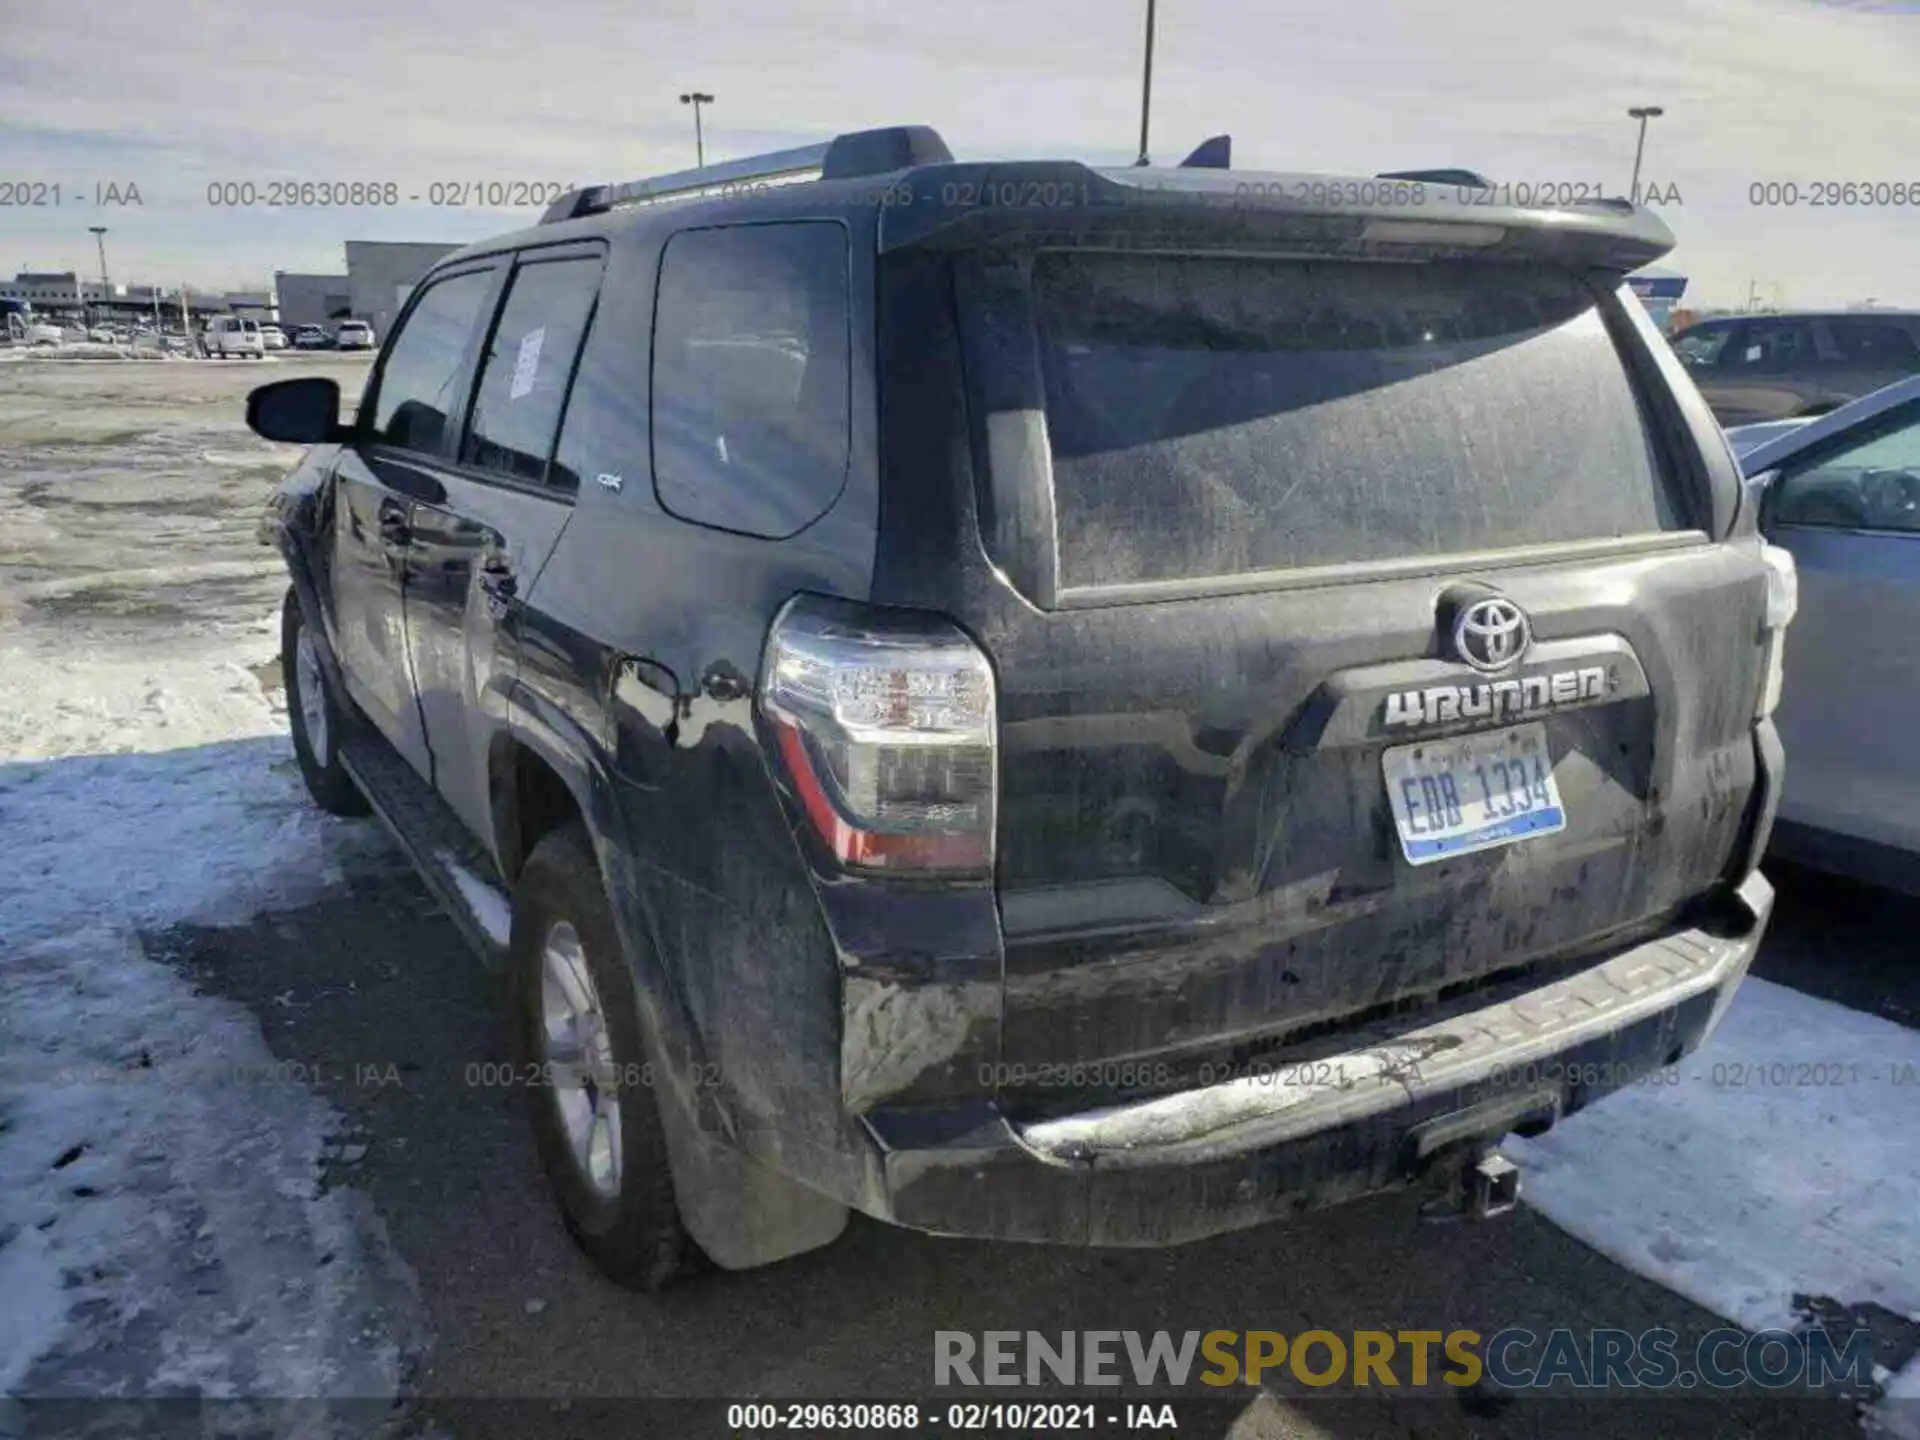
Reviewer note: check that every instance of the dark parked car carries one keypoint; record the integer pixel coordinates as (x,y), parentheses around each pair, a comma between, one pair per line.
(1039,702)
(1774,367)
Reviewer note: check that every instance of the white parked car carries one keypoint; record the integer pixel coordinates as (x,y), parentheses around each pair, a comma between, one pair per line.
(228,335)
(25,330)
(273,337)
(353,335)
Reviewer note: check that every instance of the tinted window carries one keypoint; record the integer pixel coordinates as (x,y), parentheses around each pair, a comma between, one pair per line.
(423,362)
(1874,342)
(1703,344)
(750,376)
(1770,346)
(523,381)
(1213,416)
(1871,485)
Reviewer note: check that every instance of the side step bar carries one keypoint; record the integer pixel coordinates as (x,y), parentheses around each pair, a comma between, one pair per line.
(457,869)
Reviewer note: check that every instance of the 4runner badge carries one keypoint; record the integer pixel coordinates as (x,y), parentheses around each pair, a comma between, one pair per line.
(1495,699)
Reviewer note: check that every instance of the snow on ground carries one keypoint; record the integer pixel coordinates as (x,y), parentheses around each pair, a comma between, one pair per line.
(490,906)
(1786,1162)
(1897,1416)
(164,1224)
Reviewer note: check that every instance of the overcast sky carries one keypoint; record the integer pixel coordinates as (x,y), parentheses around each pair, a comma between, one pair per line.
(170,95)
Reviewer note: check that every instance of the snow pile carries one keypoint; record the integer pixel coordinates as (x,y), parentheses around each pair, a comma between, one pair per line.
(1897,1416)
(168,1231)
(162,1225)
(149,818)
(1786,1161)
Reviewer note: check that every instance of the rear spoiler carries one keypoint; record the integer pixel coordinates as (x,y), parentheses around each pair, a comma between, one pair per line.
(1066,203)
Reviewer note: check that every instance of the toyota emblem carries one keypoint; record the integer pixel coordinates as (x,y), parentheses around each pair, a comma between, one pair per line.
(1491,634)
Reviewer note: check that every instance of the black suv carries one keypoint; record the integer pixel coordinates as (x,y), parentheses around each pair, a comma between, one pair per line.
(1775,367)
(1029,701)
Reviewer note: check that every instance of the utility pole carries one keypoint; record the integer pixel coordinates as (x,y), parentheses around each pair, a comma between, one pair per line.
(1146,86)
(100,239)
(1642,113)
(696,99)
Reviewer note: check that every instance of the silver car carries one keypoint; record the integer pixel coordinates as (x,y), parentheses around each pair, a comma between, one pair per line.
(1842,493)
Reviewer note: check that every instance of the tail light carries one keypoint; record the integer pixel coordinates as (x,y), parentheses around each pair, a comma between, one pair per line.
(1783,601)
(885,724)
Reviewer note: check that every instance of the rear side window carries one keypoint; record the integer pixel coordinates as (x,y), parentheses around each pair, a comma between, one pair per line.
(1771,347)
(1215,416)
(1874,342)
(423,363)
(751,382)
(524,379)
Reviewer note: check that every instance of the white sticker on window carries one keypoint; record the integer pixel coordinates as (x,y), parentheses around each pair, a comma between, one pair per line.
(526,362)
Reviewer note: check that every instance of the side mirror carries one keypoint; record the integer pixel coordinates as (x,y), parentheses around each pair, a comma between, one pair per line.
(296,412)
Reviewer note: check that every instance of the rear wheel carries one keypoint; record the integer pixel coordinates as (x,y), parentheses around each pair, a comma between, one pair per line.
(314,716)
(577,1031)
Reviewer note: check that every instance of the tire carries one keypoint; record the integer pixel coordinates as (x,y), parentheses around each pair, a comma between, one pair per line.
(609,1169)
(315,716)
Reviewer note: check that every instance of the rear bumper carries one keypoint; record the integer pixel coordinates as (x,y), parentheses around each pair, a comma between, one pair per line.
(1201,1162)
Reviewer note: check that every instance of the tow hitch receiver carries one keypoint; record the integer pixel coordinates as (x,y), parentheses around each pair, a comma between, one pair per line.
(1478,1183)
(1493,1186)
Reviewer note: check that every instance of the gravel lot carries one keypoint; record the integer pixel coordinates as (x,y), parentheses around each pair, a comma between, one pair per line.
(128,497)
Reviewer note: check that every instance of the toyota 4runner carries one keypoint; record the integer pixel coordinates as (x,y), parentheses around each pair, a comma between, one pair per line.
(1029,701)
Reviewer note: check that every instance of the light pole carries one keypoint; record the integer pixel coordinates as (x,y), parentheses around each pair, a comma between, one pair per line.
(1642,113)
(100,239)
(696,100)
(1146,86)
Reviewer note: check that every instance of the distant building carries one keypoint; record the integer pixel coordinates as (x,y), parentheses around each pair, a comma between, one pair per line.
(44,289)
(382,273)
(322,300)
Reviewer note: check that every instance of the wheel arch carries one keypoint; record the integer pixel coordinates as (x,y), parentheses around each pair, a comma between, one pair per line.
(543,769)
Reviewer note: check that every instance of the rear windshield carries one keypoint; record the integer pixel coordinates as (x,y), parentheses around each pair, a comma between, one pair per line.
(1213,416)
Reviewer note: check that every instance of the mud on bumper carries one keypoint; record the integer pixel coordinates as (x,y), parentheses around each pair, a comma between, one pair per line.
(1198,1163)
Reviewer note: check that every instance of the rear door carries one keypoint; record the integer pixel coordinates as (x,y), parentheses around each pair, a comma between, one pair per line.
(1370,638)
(1850,709)
(475,551)
(1769,369)
(1869,351)
(408,422)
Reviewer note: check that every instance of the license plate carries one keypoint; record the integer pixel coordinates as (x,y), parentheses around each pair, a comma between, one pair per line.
(1452,797)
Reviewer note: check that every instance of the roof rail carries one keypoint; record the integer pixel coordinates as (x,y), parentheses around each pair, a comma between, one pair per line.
(859,152)
(1467,178)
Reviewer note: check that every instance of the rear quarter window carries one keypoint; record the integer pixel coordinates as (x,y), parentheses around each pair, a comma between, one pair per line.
(751,376)
(1213,416)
